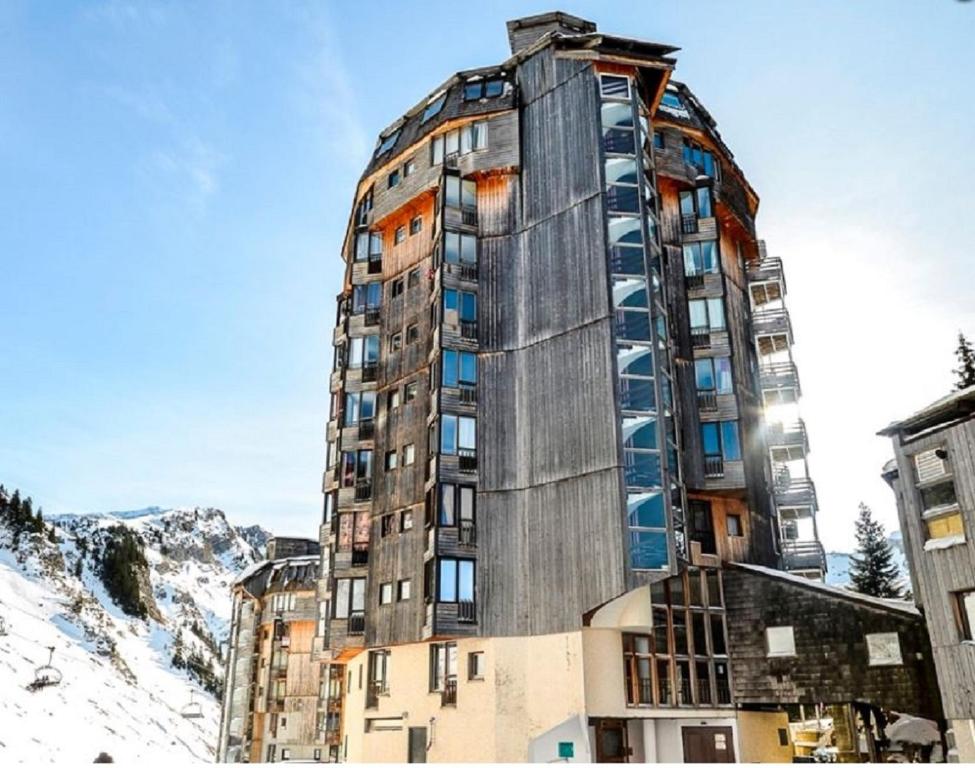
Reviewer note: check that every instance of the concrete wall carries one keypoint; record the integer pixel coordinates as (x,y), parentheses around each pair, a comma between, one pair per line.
(759,737)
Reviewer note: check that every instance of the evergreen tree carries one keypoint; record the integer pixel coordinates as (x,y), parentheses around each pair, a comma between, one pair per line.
(873,571)
(966,363)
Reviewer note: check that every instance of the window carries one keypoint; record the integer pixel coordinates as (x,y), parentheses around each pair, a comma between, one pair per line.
(473,136)
(702,526)
(285,753)
(884,649)
(457,434)
(356,466)
(368,246)
(409,167)
(459,368)
(733,524)
(696,204)
(658,140)
(701,258)
(706,314)
(720,438)
(378,671)
(409,454)
(434,106)
(387,143)
(350,597)
(700,158)
(475,665)
(412,334)
(396,287)
(406,520)
(783,737)
(359,407)
(399,236)
(396,342)
(283,602)
(385,593)
(460,248)
(614,86)
(390,460)
(461,304)
(460,193)
(413,278)
(713,374)
(672,100)
(939,502)
(416,224)
(363,350)
(403,590)
(387,525)
(456,501)
(966,615)
(456,580)
(392,400)
(366,297)
(393,179)
(483,89)
(780,641)
(409,392)
(443,664)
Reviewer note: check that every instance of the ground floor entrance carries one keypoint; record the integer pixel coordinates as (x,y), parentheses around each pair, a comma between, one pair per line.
(704,739)
(703,744)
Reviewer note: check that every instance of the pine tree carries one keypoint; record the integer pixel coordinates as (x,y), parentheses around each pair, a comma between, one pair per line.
(873,571)
(966,363)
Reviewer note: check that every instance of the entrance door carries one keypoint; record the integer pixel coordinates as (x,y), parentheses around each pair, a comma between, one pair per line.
(611,741)
(708,744)
(418,746)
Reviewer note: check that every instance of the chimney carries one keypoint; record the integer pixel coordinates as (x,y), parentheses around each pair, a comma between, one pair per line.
(523,32)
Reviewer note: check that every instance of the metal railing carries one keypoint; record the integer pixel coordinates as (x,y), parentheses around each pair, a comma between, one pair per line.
(468,394)
(448,694)
(703,691)
(375,266)
(374,690)
(694,281)
(707,400)
(724,692)
(792,433)
(468,329)
(367,428)
(803,556)
(713,466)
(363,490)
(370,371)
(644,691)
(466,611)
(467,533)
(468,215)
(466,460)
(688,223)
(371,317)
(360,555)
(357,623)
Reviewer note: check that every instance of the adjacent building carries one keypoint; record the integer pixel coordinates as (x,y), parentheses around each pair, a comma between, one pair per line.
(933,477)
(564,452)
(273,686)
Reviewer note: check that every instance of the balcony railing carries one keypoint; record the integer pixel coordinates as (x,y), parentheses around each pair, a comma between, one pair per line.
(468,329)
(466,460)
(466,611)
(468,394)
(789,434)
(707,400)
(367,429)
(713,466)
(375,266)
(701,337)
(694,281)
(765,270)
(448,694)
(684,696)
(360,556)
(793,492)
(688,223)
(363,490)
(644,687)
(724,692)
(468,215)
(703,691)
(371,317)
(370,371)
(803,556)
(772,321)
(467,533)
(775,375)
(375,689)
(357,623)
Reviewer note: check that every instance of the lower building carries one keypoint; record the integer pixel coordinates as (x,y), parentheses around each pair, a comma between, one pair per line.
(711,665)
(272,684)
(933,477)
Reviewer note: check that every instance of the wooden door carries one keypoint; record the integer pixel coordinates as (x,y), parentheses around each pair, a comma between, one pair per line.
(611,741)
(417,751)
(706,744)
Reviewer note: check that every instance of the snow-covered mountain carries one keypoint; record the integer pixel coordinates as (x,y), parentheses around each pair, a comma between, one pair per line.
(839,563)
(127,674)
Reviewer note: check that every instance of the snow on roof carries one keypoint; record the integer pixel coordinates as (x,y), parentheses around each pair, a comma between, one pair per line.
(901,606)
(276,566)
(960,403)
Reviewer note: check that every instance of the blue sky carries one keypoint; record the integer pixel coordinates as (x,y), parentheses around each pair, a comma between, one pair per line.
(177,179)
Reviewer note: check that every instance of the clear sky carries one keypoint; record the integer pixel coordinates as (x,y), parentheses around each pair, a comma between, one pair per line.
(175,180)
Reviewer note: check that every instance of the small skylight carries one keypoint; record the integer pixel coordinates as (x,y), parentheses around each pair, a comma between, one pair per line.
(387,143)
(672,100)
(434,106)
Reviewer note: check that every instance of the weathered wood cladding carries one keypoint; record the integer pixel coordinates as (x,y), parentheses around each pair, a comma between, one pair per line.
(550,504)
(939,574)
(831,664)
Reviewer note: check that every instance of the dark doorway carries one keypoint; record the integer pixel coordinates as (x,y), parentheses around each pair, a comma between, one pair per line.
(611,741)
(708,744)
(418,746)
(702,526)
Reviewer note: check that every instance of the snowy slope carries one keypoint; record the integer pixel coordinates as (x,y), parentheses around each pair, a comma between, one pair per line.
(120,693)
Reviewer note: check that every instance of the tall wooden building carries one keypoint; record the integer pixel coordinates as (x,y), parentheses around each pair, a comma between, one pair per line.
(933,477)
(563,400)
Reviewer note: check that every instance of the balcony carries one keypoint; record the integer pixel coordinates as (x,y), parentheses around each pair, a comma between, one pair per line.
(466,460)
(786,435)
(803,556)
(466,270)
(795,492)
(357,623)
(701,337)
(468,215)
(448,695)
(778,375)
(360,556)
(468,329)
(713,466)
(765,270)
(371,317)
(688,223)
(370,371)
(363,490)
(467,534)
(466,611)
(468,394)
(766,321)
(367,429)
(707,400)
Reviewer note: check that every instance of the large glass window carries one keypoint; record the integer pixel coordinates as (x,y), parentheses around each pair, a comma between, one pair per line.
(461,302)
(434,106)
(720,438)
(456,580)
(701,258)
(457,433)
(366,297)
(460,248)
(707,314)
(363,350)
(459,368)
(460,192)
(359,406)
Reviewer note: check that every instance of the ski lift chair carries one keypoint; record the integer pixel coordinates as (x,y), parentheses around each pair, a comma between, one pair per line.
(193,710)
(46,674)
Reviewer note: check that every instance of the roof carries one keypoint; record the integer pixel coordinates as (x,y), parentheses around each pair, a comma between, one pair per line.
(950,408)
(294,573)
(897,606)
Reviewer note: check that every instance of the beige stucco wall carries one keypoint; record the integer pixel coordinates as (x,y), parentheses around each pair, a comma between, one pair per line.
(759,737)
(964,731)
(531,685)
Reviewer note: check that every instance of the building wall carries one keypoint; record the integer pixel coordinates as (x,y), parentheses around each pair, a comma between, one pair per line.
(939,573)
(759,737)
